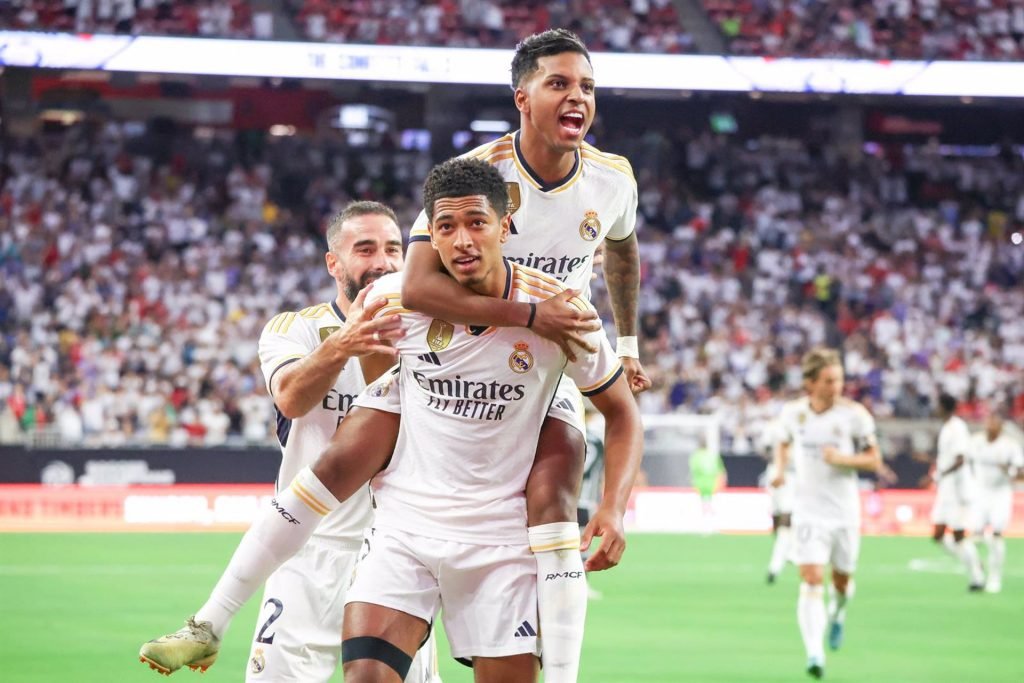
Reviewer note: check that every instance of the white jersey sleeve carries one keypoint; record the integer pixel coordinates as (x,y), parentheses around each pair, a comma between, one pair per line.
(419,232)
(594,372)
(285,339)
(624,224)
(863,431)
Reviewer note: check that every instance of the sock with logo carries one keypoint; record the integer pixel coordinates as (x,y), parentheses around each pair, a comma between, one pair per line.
(837,606)
(810,614)
(277,533)
(561,598)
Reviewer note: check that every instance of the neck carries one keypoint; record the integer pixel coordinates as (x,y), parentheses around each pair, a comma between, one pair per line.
(494,284)
(343,302)
(551,165)
(820,405)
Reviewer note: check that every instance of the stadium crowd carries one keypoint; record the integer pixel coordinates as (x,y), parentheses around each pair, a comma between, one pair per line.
(873,29)
(140,266)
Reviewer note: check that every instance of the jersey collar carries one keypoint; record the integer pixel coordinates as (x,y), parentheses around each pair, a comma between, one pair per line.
(534,177)
(477,330)
(337,310)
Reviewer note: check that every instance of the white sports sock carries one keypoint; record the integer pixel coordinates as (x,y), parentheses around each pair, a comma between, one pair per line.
(996,558)
(561,598)
(837,606)
(810,614)
(969,555)
(277,533)
(780,550)
(949,545)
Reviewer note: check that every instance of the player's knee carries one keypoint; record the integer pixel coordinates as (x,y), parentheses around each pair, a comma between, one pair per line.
(373,660)
(938,532)
(812,575)
(995,534)
(958,535)
(552,490)
(785,520)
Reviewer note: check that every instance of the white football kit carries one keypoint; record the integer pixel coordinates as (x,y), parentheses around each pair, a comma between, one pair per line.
(557,227)
(953,491)
(298,633)
(450,522)
(993,502)
(781,496)
(826,504)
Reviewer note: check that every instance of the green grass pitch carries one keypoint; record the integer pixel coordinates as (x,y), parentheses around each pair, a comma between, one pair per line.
(680,608)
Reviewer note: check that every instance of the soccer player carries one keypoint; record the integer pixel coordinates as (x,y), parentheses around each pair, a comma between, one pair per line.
(952,505)
(311,368)
(997,460)
(781,501)
(566,198)
(451,505)
(707,473)
(830,439)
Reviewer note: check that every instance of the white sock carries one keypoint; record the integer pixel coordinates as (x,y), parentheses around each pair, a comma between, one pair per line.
(810,614)
(277,533)
(561,598)
(996,558)
(949,545)
(969,555)
(837,606)
(780,550)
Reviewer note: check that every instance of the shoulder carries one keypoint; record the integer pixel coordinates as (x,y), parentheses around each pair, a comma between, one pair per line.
(388,287)
(493,152)
(855,407)
(603,162)
(530,284)
(791,408)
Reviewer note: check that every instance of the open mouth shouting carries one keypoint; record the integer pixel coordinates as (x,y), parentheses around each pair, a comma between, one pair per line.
(571,123)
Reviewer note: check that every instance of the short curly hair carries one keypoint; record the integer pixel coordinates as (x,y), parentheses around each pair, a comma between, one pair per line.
(465,177)
(551,42)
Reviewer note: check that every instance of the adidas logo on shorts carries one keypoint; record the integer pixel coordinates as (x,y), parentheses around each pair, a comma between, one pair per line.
(525,630)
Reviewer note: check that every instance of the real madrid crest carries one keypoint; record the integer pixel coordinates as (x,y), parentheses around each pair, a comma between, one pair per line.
(258,662)
(381,387)
(515,197)
(590,228)
(439,336)
(521,359)
(801,418)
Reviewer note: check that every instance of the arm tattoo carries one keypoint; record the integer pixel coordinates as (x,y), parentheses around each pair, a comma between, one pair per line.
(622,275)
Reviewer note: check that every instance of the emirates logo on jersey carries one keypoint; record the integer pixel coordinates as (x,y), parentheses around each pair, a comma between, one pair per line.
(521,359)
(590,228)
(439,336)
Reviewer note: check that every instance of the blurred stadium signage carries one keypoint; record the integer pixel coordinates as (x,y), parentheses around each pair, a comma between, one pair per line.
(232,507)
(386,63)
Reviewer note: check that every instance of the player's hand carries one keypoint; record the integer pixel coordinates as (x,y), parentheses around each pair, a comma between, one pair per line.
(361,335)
(635,375)
(598,261)
(778,480)
(886,475)
(607,525)
(566,325)
(830,454)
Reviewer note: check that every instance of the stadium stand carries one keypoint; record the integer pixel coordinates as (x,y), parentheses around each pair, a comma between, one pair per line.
(140,266)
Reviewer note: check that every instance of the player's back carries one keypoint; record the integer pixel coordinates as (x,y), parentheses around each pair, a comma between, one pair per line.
(556,227)
(287,338)
(473,401)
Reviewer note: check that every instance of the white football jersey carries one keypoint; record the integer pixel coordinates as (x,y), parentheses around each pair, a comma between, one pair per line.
(989,458)
(826,494)
(954,440)
(287,338)
(556,227)
(473,401)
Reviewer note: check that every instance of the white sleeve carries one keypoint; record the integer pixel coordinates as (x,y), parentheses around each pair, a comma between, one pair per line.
(285,339)
(625,223)
(594,372)
(863,429)
(419,232)
(1016,456)
(784,431)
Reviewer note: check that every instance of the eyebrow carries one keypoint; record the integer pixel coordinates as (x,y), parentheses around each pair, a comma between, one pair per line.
(584,79)
(447,214)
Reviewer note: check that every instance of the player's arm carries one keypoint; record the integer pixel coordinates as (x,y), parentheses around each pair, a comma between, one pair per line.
(426,288)
(623,450)
(958,462)
(622,277)
(868,459)
(299,386)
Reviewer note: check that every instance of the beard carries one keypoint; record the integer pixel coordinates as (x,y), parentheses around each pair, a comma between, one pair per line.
(353,287)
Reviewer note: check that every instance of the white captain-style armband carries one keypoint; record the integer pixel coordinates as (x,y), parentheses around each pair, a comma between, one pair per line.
(627,347)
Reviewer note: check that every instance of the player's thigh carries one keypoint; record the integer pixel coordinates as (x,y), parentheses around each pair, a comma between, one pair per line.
(514,669)
(298,632)
(379,643)
(489,601)
(1000,509)
(845,550)
(553,487)
(812,545)
(360,448)
(425,667)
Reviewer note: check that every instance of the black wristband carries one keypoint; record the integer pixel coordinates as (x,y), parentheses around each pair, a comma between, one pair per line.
(533,314)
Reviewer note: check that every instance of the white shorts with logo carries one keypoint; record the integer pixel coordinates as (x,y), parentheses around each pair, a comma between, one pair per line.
(992,507)
(821,544)
(298,632)
(951,510)
(567,405)
(489,593)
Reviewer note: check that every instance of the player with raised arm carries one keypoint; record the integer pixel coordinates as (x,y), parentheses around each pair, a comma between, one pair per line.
(451,505)
(830,439)
(998,461)
(952,506)
(311,368)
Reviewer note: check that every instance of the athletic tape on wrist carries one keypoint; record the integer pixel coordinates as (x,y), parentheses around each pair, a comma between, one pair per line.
(627,347)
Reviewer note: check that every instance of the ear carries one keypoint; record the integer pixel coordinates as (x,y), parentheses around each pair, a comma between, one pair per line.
(506,224)
(522,100)
(332,263)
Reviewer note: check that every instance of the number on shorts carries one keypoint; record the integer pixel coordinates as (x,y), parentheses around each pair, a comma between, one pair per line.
(803,533)
(278,608)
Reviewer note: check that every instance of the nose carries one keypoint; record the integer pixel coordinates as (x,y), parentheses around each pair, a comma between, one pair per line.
(463,239)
